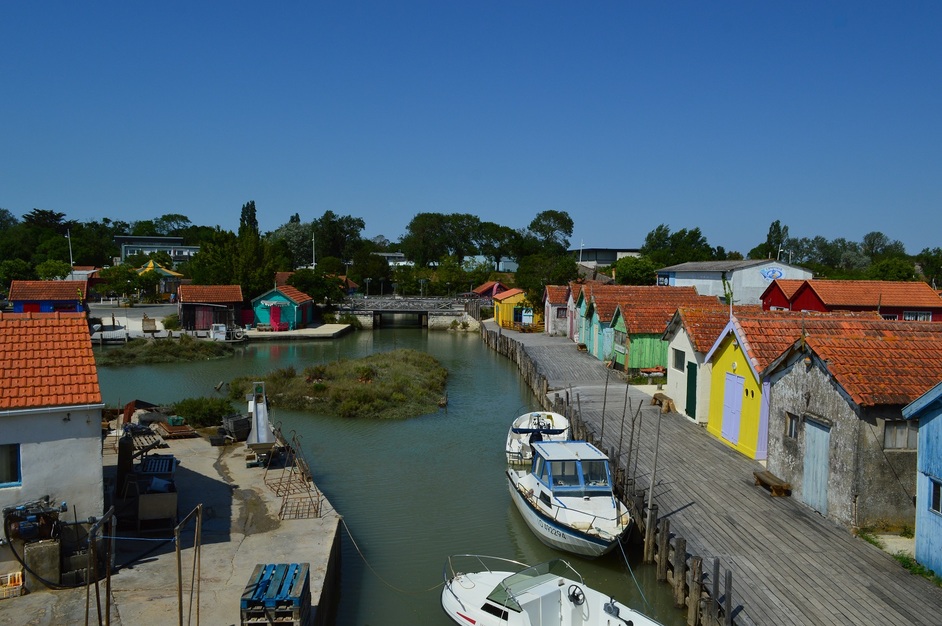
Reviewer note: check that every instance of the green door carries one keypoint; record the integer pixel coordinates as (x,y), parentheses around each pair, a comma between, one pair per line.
(690,407)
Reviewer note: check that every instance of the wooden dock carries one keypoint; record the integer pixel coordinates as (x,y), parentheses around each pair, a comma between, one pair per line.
(789,564)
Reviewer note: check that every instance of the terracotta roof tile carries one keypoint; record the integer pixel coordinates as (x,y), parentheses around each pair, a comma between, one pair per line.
(281,278)
(47,361)
(557,294)
(294,294)
(59,290)
(789,285)
(649,315)
(508,294)
(211,294)
(893,365)
(873,293)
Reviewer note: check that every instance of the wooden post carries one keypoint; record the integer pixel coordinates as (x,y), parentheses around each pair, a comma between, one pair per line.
(649,533)
(604,402)
(715,600)
(728,604)
(696,591)
(680,571)
(663,549)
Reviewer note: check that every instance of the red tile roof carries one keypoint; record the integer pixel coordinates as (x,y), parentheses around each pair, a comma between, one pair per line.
(295,295)
(281,278)
(893,366)
(607,298)
(210,294)
(789,285)
(46,360)
(652,317)
(58,290)
(508,294)
(557,294)
(874,293)
(765,336)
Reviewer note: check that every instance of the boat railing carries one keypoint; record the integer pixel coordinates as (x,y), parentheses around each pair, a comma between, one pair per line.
(457,564)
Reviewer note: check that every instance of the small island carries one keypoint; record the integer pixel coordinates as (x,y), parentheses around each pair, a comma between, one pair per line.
(387,385)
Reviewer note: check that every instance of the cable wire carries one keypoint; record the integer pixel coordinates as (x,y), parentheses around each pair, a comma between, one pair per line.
(375,573)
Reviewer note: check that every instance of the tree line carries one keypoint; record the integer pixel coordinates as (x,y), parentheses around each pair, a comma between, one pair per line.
(448,253)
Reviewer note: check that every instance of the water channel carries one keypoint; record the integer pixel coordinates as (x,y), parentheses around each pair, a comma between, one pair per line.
(411,492)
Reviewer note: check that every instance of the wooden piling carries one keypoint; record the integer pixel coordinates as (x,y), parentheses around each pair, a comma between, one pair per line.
(696,591)
(663,547)
(680,568)
(650,534)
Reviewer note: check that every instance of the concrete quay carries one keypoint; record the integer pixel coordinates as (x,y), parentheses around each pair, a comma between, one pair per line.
(789,564)
(240,528)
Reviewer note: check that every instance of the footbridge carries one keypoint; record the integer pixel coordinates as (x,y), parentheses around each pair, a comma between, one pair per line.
(409,312)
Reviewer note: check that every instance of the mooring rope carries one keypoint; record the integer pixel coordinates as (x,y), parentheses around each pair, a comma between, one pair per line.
(375,573)
(632,572)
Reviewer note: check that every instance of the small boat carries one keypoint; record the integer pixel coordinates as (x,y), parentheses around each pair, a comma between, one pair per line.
(532,427)
(567,500)
(491,591)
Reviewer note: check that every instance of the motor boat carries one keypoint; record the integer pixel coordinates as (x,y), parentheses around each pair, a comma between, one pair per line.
(491,591)
(532,427)
(567,499)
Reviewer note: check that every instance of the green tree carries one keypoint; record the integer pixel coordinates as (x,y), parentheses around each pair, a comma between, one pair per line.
(53,270)
(426,238)
(495,241)
(552,229)
(14,269)
(893,268)
(930,263)
(635,270)
(323,288)
(297,237)
(775,242)
(337,236)
(214,264)
(538,270)
(119,279)
(665,248)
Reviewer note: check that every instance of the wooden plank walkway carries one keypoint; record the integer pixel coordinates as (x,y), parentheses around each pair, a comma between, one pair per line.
(790,565)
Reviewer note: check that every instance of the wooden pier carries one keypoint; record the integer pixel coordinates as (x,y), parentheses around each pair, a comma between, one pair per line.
(764,560)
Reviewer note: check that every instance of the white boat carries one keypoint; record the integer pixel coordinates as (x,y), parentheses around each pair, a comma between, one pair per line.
(490,591)
(532,427)
(566,498)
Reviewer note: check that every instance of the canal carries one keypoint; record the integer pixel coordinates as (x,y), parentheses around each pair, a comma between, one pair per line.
(412,492)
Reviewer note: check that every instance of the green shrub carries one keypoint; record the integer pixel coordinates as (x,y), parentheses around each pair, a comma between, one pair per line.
(201,412)
(172,322)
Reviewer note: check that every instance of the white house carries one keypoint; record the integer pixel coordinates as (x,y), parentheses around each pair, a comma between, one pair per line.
(745,280)
(50,416)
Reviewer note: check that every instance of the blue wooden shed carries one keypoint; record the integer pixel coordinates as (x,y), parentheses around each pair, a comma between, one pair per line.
(927,408)
(283,308)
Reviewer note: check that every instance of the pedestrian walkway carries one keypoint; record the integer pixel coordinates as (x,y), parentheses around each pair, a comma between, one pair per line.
(789,564)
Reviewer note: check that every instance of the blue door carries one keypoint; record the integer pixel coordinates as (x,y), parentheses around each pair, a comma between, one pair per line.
(814,489)
(732,407)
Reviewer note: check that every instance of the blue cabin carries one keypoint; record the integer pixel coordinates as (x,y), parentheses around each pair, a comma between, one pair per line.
(927,409)
(283,308)
(48,296)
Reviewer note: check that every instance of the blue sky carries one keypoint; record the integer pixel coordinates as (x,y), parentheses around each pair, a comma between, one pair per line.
(718,115)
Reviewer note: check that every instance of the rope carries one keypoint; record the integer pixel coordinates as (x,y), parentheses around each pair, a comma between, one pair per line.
(632,572)
(375,573)
(162,539)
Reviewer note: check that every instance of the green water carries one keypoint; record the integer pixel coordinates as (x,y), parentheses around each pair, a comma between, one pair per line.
(411,492)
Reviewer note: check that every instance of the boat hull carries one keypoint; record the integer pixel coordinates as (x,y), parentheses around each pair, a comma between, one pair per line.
(577,604)
(553,533)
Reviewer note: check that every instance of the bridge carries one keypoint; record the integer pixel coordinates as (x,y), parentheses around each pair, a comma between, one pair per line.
(409,312)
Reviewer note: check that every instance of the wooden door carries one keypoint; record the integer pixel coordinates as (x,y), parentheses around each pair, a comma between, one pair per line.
(732,407)
(814,489)
(275,315)
(690,405)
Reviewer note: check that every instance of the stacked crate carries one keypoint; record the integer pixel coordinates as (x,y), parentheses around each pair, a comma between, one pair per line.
(277,594)
(11,585)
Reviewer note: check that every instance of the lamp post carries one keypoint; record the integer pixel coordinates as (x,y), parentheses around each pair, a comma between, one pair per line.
(368,280)
(382,286)
(448,290)
(68,235)
(422,282)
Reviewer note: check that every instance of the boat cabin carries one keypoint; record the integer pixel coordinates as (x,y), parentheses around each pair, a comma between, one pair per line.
(571,468)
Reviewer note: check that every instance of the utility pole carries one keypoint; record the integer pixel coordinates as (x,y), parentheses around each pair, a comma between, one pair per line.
(68,235)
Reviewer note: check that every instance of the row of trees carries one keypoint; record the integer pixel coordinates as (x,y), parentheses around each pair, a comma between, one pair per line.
(450,253)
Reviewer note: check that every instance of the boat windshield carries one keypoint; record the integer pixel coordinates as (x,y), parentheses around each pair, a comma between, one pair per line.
(506,592)
(571,476)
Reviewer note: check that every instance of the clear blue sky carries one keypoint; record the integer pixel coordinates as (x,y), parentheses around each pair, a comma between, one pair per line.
(718,115)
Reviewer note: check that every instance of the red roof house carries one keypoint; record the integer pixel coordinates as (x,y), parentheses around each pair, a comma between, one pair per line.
(50,413)
(897,300)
